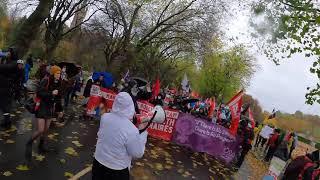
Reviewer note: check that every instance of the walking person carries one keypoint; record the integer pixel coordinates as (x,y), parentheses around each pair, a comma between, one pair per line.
(118,142)
(273,143)
(48,107)
(8,73)
(294,143)
(247,136)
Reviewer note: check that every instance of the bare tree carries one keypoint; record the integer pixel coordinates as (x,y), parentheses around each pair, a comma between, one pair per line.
(170,26)
(30,28)
(56,23)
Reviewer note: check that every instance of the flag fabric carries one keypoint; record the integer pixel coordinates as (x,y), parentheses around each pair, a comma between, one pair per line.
(251,118)
(212,107)
(195,94)
(185,83)
(273,114)
(235,107)
(156,88)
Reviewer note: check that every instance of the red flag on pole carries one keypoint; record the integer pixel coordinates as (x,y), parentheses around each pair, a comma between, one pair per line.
(156,88)
(235,107)
(212,107)
(251,118)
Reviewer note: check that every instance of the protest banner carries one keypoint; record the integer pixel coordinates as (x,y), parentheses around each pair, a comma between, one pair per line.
(108,97)
(235,107)
(162,131)
(277,167)
(94,100)
(203,136)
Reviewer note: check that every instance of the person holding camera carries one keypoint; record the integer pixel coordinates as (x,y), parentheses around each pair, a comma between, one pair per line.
(49,105)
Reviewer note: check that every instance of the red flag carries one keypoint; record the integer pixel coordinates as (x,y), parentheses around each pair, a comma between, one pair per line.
(212,107)
(156,88)
(251,118)
(235,107)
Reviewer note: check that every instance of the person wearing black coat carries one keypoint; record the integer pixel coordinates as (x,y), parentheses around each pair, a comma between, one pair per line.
(47,108)
(247,135)
(7,75)
(87,89)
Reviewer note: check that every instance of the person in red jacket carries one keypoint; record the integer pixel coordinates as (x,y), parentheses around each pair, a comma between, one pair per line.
(303,167)
(272,144)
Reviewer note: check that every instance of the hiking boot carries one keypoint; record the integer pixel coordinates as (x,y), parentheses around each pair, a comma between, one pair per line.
(6,121)
(41,148)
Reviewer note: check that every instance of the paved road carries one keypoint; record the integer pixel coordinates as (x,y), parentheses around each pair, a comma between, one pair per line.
(162,160)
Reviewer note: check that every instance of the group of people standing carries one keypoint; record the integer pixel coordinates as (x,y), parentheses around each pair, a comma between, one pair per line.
(51,97)
(275,142)
(278,145)
(11,78)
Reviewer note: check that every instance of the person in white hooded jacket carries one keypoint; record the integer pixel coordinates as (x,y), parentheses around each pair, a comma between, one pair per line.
(118,142)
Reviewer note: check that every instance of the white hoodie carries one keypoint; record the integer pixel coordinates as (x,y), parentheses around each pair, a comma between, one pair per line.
(118,139)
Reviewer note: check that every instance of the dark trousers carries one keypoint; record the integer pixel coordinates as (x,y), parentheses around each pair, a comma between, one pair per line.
(5,110)
(67,97)
(270,153)
(291,150)
(259,140)
(245,149)
(100,172)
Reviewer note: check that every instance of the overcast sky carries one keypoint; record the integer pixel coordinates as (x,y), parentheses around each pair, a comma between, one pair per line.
(282,87)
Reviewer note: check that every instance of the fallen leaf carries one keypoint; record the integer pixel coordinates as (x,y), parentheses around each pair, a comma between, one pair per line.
(71,151)
(159,166)
(168,167)
(62,161)
(67,174)
(180,171)
(18,112)
(186,174)
(22,168)
(75,133)
(9,141)
(51,136)
(139,164)
(69,137)
(88,165)
(40,157)
(76,143)
(7,173)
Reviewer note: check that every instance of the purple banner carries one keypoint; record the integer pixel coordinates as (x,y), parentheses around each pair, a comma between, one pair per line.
(203,136)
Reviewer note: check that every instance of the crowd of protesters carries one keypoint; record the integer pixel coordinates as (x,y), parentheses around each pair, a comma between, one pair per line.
(56,88)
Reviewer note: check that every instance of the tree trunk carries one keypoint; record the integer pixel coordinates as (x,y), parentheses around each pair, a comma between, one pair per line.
(50,48)
(30,28)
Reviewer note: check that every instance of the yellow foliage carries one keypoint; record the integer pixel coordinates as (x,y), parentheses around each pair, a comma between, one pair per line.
(64,50)
(4,24)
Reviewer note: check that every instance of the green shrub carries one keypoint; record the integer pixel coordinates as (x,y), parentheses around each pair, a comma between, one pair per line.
(302,139)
